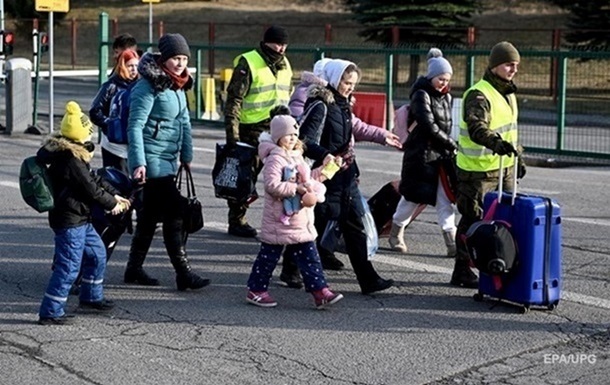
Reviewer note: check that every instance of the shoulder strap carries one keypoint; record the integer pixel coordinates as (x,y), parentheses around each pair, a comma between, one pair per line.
(320,128)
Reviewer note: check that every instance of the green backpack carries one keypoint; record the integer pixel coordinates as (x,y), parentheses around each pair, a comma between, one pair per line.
(35,185)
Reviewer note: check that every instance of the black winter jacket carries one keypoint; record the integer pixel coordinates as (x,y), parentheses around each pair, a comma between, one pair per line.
(100,107)
(75,188)
(428,145)
(327,129)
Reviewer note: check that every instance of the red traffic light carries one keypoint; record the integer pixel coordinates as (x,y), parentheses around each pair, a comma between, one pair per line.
(9,37)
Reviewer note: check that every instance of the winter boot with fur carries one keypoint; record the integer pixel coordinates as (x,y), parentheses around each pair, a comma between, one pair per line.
(396,240)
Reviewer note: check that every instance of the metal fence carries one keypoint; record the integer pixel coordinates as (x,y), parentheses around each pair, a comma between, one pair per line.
(563,94)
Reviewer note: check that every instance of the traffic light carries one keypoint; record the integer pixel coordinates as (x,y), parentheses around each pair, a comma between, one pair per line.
(8,38)
(44,42)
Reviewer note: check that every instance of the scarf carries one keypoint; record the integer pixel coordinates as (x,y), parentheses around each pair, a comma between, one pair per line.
(178,81)
(274,59)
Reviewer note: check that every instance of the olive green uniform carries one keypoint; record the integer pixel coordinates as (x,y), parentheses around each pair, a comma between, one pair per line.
(473,185)
(238,88)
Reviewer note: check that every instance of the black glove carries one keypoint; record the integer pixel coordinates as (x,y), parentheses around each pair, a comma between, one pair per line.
(521,170)
(502,147)
(452,147)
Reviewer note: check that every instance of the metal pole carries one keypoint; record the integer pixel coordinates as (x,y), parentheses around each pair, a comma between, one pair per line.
(103,54)
(1,42)
(37,54)
(2,15)
(50,27)
(150,27)
(2,46)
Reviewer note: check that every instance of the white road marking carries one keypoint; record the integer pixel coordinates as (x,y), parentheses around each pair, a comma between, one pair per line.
(204,149)
(427,268)
(7,183)
(588,221)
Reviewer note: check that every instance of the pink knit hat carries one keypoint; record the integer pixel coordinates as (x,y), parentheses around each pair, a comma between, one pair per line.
(282,125)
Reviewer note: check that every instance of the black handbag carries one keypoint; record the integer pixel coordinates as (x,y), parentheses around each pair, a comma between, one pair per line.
(192,211)
(233,174)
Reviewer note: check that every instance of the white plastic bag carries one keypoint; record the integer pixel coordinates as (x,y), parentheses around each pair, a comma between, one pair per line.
(372,238)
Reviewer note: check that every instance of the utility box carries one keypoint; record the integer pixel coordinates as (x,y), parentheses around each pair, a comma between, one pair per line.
(19,102)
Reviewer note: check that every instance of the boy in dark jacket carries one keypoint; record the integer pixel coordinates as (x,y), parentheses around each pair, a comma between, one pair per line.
(75,189)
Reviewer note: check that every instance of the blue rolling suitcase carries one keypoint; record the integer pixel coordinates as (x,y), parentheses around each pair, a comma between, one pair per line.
(536,228)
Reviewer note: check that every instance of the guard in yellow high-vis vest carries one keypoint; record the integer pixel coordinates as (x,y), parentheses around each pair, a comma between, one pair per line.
(261,80)
(488,130)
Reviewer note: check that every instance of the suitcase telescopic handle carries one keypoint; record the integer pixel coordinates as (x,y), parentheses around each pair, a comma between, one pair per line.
(501,182)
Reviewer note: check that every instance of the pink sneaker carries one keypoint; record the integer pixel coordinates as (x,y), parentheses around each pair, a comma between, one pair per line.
(326,297)
(261,298)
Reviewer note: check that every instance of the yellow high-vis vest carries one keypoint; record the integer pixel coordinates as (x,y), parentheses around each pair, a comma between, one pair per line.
(266,90)
(474,157)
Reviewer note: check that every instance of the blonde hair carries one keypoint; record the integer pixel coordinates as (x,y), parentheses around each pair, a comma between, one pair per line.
(298,146)
(120,68)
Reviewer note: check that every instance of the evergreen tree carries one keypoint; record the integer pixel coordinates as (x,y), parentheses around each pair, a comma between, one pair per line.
(586,21)
(420,23)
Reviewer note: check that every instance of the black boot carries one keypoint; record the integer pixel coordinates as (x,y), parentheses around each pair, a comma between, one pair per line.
(185,278)
(379,284)
(463,276)
(290,273)
(137,275)
(134,273)
(329,261)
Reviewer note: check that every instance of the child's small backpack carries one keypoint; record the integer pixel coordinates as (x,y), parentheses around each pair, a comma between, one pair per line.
(492,247)
(35,185)
(400,122)
(116,124)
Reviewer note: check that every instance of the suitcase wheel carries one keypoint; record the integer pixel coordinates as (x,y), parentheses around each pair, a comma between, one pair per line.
(552,306)
(478,297)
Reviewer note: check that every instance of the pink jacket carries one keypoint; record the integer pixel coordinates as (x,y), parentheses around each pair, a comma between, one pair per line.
(301,228)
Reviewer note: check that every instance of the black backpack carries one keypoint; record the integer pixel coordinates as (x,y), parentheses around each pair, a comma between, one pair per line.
(492,247)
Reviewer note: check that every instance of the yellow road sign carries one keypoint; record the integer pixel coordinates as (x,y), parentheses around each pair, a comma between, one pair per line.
(52,5)
(151,1)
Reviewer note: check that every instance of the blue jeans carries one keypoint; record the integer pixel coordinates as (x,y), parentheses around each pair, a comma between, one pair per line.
(304,254)
(73,246)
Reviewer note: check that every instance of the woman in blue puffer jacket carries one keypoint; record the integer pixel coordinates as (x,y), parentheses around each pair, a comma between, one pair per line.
(159,132)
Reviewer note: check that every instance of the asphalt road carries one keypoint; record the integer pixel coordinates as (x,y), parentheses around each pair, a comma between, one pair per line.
(423,331)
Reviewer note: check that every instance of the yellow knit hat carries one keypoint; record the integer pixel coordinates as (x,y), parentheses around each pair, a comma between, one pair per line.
(75,125)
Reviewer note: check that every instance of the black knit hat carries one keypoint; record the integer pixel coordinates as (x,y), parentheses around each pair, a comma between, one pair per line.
(275,34)
(173,44)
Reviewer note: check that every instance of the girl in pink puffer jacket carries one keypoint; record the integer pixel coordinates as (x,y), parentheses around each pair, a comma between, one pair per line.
(279,149)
